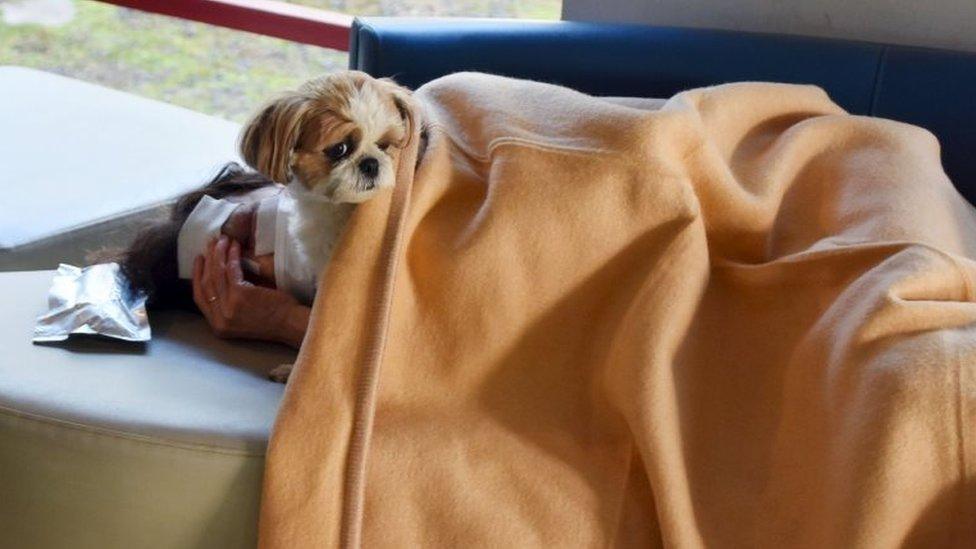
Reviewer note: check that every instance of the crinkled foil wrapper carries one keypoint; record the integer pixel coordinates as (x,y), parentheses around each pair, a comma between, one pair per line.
(94,300)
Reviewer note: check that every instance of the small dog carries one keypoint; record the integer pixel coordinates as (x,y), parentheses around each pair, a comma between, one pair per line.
(334,142)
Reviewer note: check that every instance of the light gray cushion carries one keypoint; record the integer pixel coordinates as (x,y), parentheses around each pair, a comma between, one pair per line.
(106,444)
(82,163)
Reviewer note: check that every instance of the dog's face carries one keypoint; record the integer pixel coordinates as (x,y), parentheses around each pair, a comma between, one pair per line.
(337,136)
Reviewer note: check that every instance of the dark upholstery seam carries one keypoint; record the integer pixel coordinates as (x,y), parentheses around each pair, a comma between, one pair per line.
(878,77)
(372,56)
(357,24)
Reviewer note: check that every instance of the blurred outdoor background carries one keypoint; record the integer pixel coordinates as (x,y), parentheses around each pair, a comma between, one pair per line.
(205,68)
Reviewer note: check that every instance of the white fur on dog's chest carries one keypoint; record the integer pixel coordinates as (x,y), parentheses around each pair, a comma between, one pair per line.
(315,228)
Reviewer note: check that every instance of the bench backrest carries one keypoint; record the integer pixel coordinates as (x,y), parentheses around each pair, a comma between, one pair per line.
(935,89)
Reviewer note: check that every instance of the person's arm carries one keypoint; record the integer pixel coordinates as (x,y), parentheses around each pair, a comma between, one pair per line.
(236,308)
(292,331)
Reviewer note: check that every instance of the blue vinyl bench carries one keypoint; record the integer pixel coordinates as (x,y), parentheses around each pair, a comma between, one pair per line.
(935,89)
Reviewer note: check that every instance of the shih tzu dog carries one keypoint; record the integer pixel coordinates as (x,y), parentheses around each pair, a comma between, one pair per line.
(334,142)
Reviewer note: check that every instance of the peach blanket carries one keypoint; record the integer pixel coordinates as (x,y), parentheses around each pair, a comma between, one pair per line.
(745,319)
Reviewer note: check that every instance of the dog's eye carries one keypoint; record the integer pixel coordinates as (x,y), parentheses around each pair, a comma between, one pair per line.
(337,151)
(383,145)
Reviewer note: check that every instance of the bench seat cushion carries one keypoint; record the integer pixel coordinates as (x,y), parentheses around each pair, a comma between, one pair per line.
(106,444)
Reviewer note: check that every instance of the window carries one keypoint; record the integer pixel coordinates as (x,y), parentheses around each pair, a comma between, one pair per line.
(198,66)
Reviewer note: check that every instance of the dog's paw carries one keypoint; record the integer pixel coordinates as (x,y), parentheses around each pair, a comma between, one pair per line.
(280,373)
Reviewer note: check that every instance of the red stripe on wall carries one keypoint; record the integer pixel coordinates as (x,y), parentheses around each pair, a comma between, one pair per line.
(268,17)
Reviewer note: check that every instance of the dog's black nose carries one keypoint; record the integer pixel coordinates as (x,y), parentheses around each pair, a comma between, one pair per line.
(369,166)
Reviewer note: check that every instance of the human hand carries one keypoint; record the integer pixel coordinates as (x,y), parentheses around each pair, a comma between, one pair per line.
(236,308)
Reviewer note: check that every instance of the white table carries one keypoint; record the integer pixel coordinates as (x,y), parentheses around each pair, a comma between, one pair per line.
(81,166)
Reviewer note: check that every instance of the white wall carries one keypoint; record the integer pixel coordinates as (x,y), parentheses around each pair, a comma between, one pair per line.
(936,23)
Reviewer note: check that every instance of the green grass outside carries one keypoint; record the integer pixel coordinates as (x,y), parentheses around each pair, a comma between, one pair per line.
(205,68)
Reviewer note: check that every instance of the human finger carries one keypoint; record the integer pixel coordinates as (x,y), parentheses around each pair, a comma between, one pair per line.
(203,298)
(235,273)
(218,273)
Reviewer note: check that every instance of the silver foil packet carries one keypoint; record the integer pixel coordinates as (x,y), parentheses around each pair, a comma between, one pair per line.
(94,300)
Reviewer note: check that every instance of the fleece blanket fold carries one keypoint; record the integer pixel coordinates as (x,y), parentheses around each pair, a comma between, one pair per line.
(742,319)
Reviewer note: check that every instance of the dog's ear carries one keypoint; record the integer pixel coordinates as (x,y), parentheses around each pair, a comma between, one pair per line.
(270,137)
(403,101)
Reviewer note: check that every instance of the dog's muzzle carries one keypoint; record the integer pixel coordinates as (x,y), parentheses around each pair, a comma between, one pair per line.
(369,167)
